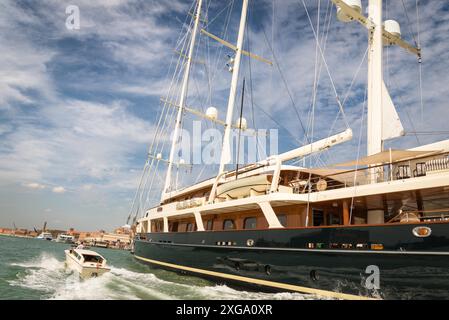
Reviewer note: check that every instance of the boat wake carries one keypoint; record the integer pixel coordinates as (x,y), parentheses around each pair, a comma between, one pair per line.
(49,277)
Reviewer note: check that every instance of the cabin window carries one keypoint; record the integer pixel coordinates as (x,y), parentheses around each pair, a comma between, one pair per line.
(210,225)
(318,217)
(250,223)
(334,219)
(282,219)
(157,226)
(90,258)
(190,227)
(228,224)
(174,227)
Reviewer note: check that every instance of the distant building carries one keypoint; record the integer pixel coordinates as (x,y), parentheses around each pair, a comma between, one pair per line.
(6,231)
(126,229)
(117,239)
(74,233)
(20,232)
(88,236)
(120,239)
(33,234)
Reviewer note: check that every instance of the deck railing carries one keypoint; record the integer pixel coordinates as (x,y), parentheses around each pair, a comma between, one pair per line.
(402,170)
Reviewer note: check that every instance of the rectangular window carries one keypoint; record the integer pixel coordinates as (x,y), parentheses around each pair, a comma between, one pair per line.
(334,219)
(250,223)
(318,217)
(228,224)
(210,225)
(282,219)
(190,227)
(174,227)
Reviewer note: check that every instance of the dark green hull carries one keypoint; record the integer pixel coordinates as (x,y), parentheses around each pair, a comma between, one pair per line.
(409,267)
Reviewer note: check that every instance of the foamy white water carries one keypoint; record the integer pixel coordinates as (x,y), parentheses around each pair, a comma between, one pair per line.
(48,275)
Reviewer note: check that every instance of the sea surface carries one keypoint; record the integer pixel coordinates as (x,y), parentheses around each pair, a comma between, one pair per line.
(35,269)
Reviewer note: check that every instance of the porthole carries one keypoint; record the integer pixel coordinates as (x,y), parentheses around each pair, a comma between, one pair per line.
(422,232)
(314,275)
(267,270)
(250,242)
(237,266)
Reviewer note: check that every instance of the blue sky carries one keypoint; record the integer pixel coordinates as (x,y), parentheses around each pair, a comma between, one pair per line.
(78,109)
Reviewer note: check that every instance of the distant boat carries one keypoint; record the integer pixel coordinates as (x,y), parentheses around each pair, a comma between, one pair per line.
(45,236)
(87,263)
(101,244)
(65,238)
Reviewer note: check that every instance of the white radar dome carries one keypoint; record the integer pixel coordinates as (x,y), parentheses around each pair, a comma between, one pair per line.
(354,4)
(212,113)
(393,27)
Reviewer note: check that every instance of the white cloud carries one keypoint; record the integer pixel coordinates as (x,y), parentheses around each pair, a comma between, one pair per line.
(35,185)
(87,187)
(94,140)
(59,190)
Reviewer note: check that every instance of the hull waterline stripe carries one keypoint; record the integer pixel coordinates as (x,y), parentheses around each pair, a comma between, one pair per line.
(431,253)
(266,283)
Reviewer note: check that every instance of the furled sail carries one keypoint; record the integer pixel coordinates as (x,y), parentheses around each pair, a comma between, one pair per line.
(391,123)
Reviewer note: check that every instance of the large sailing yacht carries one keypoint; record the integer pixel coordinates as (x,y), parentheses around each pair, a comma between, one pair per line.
(377,226)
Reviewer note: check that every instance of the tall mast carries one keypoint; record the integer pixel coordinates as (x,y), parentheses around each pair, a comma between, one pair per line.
(375,214)
(375,78)
(378,96)
(184,88)
(226,149)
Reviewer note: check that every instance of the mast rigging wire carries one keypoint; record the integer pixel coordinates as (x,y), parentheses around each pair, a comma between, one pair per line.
(295,108)
(358,153)
(146,167)
(409,23)
(326,65)
(160,129)
(253,118)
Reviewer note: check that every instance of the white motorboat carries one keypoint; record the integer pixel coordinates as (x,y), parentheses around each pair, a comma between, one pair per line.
(65,238)
(87,263)
(45,236)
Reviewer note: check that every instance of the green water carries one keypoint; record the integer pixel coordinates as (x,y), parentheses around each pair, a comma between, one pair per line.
(34,269)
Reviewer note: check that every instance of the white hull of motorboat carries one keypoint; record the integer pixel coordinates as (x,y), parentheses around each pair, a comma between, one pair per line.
(45,236)
(85,269)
